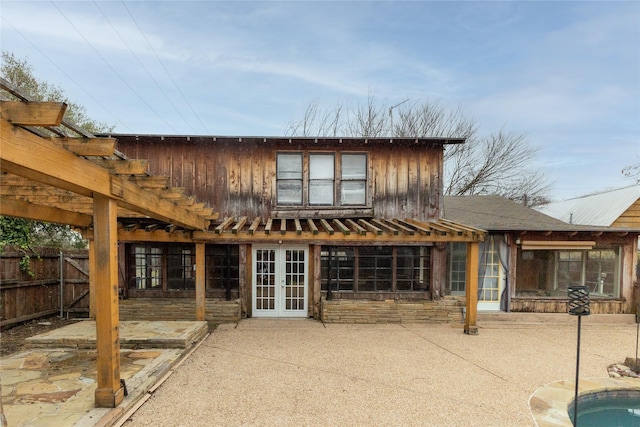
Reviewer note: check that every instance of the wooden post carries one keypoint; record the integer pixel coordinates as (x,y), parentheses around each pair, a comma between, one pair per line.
(470,325)
(200,281)
(109,392)
(92,280)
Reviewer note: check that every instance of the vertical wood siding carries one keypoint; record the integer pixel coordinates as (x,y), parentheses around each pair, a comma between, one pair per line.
(238,179)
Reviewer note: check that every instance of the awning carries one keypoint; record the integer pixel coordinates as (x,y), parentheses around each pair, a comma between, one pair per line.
(531,245)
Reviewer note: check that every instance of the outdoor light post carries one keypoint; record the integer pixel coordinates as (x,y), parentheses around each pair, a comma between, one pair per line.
(578,306)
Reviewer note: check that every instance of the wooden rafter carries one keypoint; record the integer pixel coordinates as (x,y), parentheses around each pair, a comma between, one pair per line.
(370,227)
(98,147)
(33,113)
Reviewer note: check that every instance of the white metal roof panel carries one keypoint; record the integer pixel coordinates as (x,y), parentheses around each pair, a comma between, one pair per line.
(601,209)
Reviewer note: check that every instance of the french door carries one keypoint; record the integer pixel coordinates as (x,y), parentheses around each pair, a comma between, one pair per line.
(491,278)
(280,287)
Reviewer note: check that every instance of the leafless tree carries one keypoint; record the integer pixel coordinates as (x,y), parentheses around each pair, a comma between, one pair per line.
(499,163)
(633,172)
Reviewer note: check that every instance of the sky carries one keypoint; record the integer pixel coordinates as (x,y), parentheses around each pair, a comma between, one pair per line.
(565,74)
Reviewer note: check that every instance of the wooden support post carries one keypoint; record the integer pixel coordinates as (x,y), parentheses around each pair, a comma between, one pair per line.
(92,280)
(470,321)
(200,281)
(109,392)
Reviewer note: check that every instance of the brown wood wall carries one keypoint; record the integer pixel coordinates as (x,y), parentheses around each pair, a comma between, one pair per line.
(630,218)
(23,296)
(238,179)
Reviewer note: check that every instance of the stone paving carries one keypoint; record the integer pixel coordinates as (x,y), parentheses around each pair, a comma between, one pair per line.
(56,386)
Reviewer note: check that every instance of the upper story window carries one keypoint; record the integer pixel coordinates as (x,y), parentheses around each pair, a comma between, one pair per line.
(353,190)
(321,179)
(289,177)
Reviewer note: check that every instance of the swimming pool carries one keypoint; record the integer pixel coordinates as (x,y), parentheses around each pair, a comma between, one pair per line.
(619,408)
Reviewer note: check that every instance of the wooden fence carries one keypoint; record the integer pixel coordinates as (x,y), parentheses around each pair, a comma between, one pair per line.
(24,297)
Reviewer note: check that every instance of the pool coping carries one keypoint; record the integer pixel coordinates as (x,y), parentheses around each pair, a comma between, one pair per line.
(549,404)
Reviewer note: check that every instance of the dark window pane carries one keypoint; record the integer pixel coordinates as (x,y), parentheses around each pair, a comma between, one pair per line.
(337,267)
(222,271)
(374,268)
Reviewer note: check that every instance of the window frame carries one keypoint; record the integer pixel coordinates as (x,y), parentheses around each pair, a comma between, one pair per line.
(222,269)
(550,266)
(183,282)
(340,187)
(306,182)
(181,275)
(351,260)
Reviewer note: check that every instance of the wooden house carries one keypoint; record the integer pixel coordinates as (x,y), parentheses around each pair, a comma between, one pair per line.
(528,258)
(338,229)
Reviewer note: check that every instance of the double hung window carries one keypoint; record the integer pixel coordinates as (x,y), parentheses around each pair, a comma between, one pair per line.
(321,179)
(289,177)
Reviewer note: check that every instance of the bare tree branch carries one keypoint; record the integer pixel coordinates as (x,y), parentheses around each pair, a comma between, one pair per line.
(499,163)
(633,172)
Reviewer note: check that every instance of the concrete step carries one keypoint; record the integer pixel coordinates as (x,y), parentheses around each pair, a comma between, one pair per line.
(495,319)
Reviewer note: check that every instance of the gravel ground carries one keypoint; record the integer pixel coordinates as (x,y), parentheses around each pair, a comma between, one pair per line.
(301,372)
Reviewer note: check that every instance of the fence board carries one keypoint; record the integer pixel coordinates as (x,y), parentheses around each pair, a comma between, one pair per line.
(24,297)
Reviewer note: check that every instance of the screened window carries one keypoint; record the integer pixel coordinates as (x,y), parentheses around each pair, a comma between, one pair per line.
(458,268)
(549,272)
(376,269)
(321,179)
(181,266)
(222,271)
(569,268)
(146,267)
(289,178)
(602,272)
(338,267)
(412,268)
(354,179)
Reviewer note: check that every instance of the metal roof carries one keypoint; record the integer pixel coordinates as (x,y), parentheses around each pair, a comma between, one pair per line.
(601,209)
(297,140)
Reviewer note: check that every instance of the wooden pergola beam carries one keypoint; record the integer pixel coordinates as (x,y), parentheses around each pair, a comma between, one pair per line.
(56,172)
(33,113)
(99,147)
(19,208)
(123,167)
(28,155)
(157,182)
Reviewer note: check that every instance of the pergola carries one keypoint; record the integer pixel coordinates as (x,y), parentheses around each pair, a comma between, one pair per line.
(56,172)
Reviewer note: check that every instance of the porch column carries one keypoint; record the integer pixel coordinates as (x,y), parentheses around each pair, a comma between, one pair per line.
(200,282)
(109,392)
(470,326)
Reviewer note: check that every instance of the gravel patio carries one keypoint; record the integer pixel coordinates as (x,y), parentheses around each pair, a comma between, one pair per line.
(303,372)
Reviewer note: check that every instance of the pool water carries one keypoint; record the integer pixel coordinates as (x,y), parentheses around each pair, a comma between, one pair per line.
(609,412)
